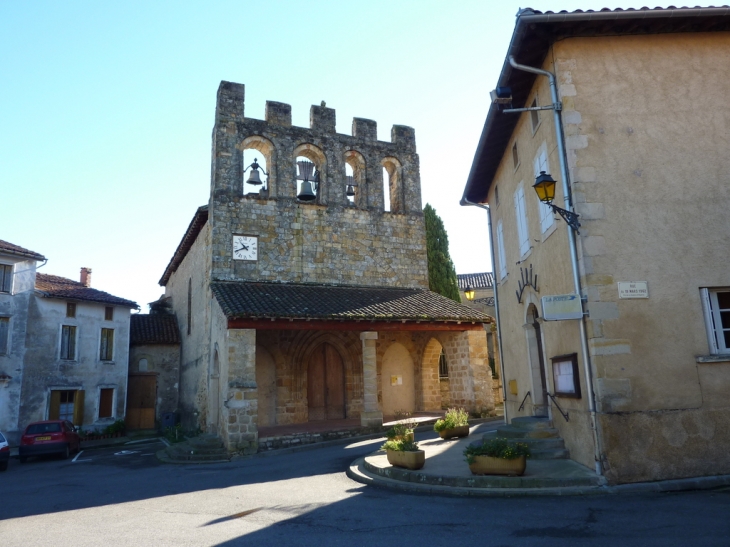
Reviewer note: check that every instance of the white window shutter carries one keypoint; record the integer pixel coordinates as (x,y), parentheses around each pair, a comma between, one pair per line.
(709,322)
(500,251)
(521,214)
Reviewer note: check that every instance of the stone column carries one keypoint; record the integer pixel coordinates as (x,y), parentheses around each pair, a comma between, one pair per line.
(240,407)
(371,415)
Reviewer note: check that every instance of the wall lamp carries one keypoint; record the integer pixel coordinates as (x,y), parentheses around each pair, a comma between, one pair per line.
(545,188)
(469,293)
(253,178)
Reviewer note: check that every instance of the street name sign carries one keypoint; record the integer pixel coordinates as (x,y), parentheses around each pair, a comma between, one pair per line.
(561,307)
(633,289)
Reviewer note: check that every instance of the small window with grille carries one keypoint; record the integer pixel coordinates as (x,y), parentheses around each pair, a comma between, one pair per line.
(443,365)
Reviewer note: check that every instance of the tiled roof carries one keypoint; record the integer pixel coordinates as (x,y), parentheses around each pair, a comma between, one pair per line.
(483,280)
(534,34)
(153,329)
(53,286)
(9,248)
(293,301)
(199,220)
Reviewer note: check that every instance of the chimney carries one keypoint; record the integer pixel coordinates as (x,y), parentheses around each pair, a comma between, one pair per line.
(86,277)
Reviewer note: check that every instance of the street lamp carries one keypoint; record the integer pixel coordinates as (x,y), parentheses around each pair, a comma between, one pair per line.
(469,293)
(545,188)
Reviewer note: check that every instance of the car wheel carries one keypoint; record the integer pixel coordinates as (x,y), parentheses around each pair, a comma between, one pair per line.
(66,453)
(3,466)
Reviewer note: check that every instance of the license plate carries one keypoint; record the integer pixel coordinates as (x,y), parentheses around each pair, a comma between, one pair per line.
(43,438)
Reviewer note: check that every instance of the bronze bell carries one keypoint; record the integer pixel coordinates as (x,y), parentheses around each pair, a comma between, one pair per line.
(350,191)
(254,178)
(306,193)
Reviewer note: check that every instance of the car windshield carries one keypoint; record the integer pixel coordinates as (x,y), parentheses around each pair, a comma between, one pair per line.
(34,429)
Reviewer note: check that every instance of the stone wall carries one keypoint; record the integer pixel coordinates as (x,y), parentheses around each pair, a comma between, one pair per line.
(164,361)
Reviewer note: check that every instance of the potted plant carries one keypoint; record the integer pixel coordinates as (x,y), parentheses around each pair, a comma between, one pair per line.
(497,456)
(454,424)
(403,429)
(404,453)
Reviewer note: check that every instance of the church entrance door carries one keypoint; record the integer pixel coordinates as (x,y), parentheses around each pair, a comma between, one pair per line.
(325,384)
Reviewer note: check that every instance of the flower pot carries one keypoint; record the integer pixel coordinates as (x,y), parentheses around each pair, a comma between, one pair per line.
(407,437)
(409,460)
(450,433)
(487,465)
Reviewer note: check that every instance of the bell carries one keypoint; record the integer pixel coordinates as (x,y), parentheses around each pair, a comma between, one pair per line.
(254,178)
(306,193)
(350,191)
(305,170)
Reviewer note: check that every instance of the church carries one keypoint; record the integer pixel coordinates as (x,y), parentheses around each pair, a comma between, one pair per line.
(301,289)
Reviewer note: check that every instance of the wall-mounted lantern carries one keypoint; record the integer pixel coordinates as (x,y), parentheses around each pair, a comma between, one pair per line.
(545,188)
(469,293)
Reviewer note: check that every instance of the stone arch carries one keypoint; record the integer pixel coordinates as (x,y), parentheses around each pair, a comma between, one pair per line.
(394,169)
(314,154)
(434,390)
(267,149)
(266,387)
(397,375)
(356,161)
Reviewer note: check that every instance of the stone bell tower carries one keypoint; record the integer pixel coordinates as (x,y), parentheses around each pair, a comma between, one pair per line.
(328,239)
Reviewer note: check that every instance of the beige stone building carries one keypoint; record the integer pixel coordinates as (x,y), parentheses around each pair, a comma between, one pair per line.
(643,379)
(306,299)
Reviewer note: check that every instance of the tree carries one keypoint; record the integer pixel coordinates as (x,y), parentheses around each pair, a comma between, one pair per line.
(441,272)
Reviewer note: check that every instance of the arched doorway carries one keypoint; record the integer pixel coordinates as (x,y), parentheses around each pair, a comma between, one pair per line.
(398,384)
(537,363)
(325,384)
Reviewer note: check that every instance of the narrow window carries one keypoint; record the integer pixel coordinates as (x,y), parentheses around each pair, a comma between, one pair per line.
(70,309)
(515,156)
(68,342)
(106,350)
(534,115)
(106,398)
(717,318)
(500,251)
(496,195)
(546,213)
(4,334)
(190,304)
(523,232)
(6,278)
(443,365)
(109,313)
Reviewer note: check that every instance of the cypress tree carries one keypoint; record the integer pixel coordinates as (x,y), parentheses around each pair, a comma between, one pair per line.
(441,272)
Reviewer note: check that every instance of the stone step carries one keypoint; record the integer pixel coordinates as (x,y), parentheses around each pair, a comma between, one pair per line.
(549,454)
(513,432)
(531,422)
(550,443)
(206,441)
(186,449)
(201,449)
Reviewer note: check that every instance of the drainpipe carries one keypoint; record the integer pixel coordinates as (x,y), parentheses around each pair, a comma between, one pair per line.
(573,250)
(465,201)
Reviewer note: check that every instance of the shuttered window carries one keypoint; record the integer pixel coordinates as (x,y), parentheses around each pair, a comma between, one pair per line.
(106,350)
(68,342)
(4,335)
(500,251)
(106,399)
(546,213)
(523,233)
(716,304)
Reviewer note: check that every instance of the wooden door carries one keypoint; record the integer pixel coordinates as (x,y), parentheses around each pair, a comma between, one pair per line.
(326,384)
(141,399)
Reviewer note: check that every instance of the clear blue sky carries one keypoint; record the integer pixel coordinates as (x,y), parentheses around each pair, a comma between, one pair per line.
(106,110)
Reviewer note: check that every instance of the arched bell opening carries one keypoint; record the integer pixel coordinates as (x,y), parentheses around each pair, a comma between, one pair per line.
(257,165)
(355,178)
(310,173)
(392,185)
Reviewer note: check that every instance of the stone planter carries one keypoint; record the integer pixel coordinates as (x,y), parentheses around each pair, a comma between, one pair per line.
(450,433)
(486,465)
(410,460)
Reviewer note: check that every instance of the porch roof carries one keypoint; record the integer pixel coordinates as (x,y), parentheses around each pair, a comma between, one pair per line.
(271,301)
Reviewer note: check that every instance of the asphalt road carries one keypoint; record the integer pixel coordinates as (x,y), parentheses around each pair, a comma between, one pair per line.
(124,496)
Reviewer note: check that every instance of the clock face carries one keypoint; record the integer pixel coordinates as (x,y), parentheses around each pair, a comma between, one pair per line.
(245,247)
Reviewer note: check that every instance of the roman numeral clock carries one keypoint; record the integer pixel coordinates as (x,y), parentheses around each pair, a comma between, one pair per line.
(245,247)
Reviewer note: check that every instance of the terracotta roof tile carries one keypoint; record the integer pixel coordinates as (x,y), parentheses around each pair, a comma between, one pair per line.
(53,286)
(9,248)
(483,280)
(294,301)
(153,329)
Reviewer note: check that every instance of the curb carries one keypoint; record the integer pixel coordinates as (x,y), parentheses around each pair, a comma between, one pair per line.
(357,472)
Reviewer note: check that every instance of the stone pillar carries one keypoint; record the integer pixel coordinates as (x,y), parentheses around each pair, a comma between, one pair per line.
(371,416)
(240,406)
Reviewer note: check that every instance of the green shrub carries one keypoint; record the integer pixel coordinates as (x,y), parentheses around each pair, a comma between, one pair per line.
(499,447)
(401,445)
(405,426)
(455,417)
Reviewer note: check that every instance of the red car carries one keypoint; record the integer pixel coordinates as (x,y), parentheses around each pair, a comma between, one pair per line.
(49,437)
